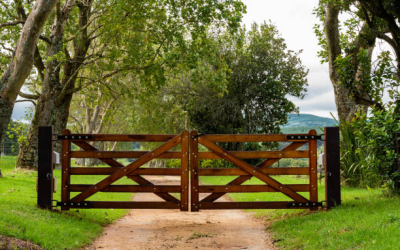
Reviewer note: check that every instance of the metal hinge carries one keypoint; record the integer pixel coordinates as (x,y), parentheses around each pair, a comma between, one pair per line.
(304,204)
(83,204)
(75,137)
(303,137)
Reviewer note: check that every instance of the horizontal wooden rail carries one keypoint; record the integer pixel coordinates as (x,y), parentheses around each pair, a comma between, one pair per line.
(238,171)
(130,205)
(244,138)
(245,205)
(129,188)
(140,171)
(258,154)
(121,154)
(253,138)
(251,188)
(118,137)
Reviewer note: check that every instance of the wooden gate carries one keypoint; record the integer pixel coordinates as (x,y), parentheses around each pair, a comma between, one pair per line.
(116,171)
(300,195)
(262,171)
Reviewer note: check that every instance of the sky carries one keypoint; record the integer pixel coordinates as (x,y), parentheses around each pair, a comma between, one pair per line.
(295,21)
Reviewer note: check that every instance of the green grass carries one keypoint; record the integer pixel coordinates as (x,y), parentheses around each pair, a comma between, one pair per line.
(366,219)
(20,218)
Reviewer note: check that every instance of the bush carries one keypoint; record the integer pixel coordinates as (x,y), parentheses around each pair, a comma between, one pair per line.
(377,151)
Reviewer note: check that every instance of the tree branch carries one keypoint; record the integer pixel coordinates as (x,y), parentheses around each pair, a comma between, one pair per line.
(34,103)
(28,96)
(14,23)
(44,38)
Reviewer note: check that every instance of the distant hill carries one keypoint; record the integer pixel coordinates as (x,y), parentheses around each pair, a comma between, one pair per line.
(304,122)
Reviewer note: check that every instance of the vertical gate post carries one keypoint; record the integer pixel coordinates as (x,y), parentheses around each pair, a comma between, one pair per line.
(65,169)
(332,167)
(184,171)
(194,172)
(312,158)
(45,168)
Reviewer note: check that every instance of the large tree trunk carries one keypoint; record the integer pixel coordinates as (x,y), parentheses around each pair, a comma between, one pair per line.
(21,65)
(46,112)
(346,106)
(54,103)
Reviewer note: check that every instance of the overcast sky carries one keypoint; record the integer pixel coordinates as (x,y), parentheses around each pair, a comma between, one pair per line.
(295,22)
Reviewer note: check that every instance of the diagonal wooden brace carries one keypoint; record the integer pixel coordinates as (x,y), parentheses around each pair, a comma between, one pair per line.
(241,179)
(252,170)
(127,170)
(136,178)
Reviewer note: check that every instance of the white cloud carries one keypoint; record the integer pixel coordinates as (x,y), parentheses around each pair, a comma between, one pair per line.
(295,21)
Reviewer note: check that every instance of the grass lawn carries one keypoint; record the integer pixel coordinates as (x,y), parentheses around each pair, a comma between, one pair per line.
(20,218)
(365,220)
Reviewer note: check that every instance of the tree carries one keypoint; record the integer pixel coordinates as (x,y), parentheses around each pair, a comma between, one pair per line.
(262,74)
(108,38)
(348,47)
(22,59)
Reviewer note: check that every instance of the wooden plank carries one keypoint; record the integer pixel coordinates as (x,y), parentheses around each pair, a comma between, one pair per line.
(332,167)
(194,176)
(129,188)
(252,170)
(185,171)
(244,138)
(127,137)
(138,179)
(238,171)
(247,205)
(131,205)
(143,182)
(45,168)
(65,168)
(264,164)
(121,154)
(140,171)
(312,147)
(250,188)
(126,170)
(257,154)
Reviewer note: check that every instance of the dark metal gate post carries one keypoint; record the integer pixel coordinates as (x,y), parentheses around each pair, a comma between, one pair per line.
(45,168)
(332,167)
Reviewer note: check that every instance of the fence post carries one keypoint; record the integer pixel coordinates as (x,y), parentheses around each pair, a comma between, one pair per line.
(45,168)
(332,167)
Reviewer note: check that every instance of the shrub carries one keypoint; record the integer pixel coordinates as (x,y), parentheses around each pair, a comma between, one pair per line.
(378,150)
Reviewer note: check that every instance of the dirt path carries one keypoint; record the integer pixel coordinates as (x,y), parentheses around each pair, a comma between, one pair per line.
(172,229)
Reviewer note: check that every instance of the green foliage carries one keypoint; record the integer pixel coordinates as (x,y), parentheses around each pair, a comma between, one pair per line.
(351,171)
(173,163)
(378,146)
(263,73)
(16,135)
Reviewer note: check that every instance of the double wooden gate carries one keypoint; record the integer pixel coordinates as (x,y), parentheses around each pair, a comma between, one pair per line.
(186,148)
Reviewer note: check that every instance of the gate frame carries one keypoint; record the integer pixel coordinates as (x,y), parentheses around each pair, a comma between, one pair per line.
(117,171)
(261,171)
(45,170)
